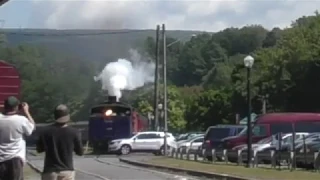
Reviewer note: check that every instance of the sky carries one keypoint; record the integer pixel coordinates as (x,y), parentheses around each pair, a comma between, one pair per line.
(204,15)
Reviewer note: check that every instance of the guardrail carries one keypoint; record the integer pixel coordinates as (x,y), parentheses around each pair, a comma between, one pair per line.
(239,157)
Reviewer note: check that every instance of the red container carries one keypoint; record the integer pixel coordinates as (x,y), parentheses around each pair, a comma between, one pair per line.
(10,82)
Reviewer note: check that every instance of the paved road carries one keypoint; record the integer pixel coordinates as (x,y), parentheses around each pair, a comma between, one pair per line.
(109,168)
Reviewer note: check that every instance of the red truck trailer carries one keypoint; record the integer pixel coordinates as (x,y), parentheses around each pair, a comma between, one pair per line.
(10,82)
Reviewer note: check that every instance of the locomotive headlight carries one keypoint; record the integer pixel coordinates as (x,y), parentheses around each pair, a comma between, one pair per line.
(108,112)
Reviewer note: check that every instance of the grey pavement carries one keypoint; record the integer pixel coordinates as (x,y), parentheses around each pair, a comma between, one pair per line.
(109,167)
(38,162)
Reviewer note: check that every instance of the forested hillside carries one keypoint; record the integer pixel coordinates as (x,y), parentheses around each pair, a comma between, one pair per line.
(94,45)
(208,76)
(206,73)
(57,66)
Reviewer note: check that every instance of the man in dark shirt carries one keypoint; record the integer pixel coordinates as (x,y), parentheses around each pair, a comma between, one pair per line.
(59,141)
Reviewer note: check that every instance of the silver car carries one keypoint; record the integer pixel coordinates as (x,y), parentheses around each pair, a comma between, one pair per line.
(150,141)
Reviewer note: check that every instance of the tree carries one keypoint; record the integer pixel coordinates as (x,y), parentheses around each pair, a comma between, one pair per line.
(210,108)
(48,79)
(176,106)
(286,66)
(2,39)
(271,38)
(206,75)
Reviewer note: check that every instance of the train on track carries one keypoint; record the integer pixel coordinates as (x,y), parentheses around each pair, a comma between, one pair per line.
(108,120)
(113,120)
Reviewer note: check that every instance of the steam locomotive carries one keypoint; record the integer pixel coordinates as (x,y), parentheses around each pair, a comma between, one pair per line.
(113,120)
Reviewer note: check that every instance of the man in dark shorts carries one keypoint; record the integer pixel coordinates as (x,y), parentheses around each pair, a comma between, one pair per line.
(13,128)
(59,141)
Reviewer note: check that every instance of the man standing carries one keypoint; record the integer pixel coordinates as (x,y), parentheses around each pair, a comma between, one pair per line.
(13,128)
(59,141)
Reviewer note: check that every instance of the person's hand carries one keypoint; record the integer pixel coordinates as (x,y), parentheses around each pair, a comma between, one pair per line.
(25,107)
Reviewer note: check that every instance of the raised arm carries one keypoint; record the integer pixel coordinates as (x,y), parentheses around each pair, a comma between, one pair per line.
(28,123)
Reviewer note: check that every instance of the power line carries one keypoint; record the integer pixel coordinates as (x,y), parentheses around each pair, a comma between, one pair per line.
(60,34)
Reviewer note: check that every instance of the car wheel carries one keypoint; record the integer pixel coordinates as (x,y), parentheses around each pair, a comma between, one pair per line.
(209,158)
(125,149)
(199,152)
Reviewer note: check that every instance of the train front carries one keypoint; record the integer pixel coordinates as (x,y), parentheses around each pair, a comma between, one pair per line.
(108,121)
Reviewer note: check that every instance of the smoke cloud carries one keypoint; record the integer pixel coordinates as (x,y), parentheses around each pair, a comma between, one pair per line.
(135,14)
(126,74)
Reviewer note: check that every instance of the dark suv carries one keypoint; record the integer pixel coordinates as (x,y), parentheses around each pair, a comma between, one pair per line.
(214,135)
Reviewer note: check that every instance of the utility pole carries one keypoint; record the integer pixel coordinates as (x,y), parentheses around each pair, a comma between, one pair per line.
(165,103)
(156,81)
(264,103)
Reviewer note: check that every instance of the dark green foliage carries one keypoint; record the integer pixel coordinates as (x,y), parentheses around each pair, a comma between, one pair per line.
(286,70)
(206,75)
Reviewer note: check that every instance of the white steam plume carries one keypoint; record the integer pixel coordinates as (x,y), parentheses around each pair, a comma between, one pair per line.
(126,75)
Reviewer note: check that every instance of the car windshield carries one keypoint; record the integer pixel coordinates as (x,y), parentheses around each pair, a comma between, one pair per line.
(217,133)
(182,137)
(265,140)
(195,137)
(315,135)
(257,130)
(191,136)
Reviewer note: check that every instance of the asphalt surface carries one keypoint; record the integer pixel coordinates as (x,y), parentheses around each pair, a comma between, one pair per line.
(108,167)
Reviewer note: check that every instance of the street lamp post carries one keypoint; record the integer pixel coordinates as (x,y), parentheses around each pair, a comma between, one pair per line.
(248,63)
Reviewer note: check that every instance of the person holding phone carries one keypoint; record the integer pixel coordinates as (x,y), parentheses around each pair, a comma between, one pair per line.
(13,129)
(59,141)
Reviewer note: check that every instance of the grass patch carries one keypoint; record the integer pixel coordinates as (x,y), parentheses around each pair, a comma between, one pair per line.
(255,173)
(30,174)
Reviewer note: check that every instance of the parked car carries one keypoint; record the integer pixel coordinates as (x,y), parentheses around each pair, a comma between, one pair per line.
(271,142)
(193,144)
(266,142)
(150,141)
(300,140)
(214,135)
(313,147)
(306,146)
(187,136)
(273,123)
